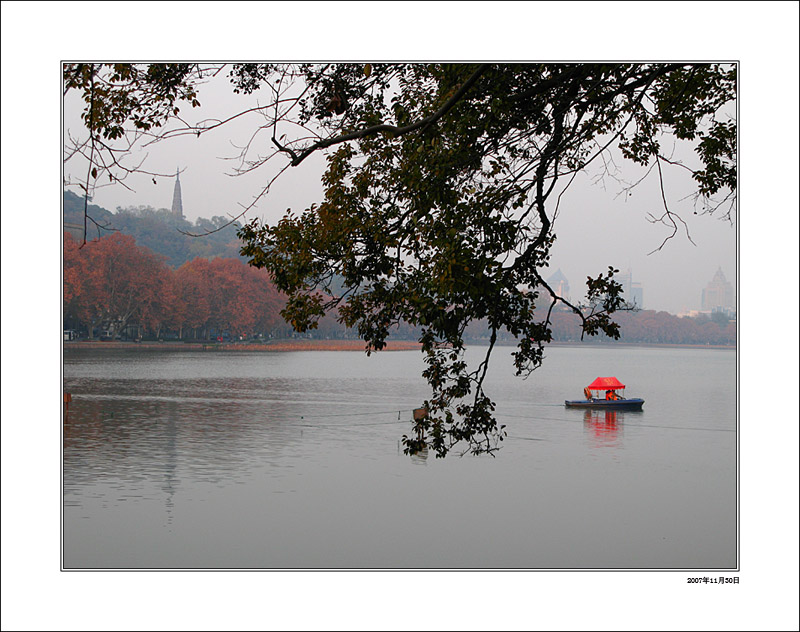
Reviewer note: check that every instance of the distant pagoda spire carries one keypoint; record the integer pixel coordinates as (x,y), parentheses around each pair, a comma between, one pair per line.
(177,202)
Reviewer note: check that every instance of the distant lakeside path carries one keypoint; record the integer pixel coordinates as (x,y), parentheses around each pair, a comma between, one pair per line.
(328,345)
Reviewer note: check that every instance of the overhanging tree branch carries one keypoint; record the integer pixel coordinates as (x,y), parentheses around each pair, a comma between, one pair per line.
(385,127)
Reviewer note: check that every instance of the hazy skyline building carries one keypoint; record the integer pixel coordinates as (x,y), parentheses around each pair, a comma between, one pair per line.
(633,292)
(718,294)
(637,294)
(558,282)
(177,200)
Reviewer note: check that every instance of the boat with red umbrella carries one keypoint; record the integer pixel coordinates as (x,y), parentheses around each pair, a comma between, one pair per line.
(606,392)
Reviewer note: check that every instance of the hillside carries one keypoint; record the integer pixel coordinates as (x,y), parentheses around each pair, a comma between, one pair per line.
(155,229)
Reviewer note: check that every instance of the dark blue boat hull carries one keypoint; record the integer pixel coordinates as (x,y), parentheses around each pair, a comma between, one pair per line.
(617,404)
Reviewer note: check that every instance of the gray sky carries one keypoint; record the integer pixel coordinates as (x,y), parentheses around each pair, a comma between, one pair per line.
(597,225)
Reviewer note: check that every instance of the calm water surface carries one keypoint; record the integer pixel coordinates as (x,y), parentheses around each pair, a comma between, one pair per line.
(293,460)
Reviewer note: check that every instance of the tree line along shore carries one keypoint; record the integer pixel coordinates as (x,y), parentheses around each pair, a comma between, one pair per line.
(116,290)
(277,345)
(326,345)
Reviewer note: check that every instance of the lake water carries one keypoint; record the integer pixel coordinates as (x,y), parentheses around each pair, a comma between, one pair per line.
(293,460)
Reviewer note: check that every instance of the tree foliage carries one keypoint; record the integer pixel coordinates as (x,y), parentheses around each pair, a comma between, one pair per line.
(113,282)
(442,186)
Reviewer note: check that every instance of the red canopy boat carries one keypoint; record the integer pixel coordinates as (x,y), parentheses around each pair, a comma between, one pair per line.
(609,386)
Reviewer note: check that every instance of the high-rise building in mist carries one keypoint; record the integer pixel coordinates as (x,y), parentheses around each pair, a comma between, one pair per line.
(718,295)
(637,294)
(177,201)
(558,282)
(632,291)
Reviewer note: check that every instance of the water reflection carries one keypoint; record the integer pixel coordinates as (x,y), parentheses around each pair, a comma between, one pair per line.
(603,426)
(170,459)
(121,447)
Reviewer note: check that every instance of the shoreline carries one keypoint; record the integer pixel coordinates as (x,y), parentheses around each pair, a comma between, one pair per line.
(653,345)
(280,345)
(335,345)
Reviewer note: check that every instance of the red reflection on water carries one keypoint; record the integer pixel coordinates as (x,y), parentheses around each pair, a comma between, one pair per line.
(603,426)
(83,423)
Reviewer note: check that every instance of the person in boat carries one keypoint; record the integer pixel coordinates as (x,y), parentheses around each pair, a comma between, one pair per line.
(611,395)
(587,393)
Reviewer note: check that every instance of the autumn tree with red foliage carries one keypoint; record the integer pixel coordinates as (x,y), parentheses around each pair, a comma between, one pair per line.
(225,294)
(194,311)
(112,283)
(74,273)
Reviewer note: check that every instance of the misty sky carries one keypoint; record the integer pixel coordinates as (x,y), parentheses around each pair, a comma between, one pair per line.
(598,224)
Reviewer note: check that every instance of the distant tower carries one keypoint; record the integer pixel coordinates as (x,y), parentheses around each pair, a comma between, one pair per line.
(632,291)
(558,282)
(718,294)
(177,202)
(637,294)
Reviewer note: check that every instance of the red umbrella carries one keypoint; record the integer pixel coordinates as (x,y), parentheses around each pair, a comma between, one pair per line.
(605,384)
